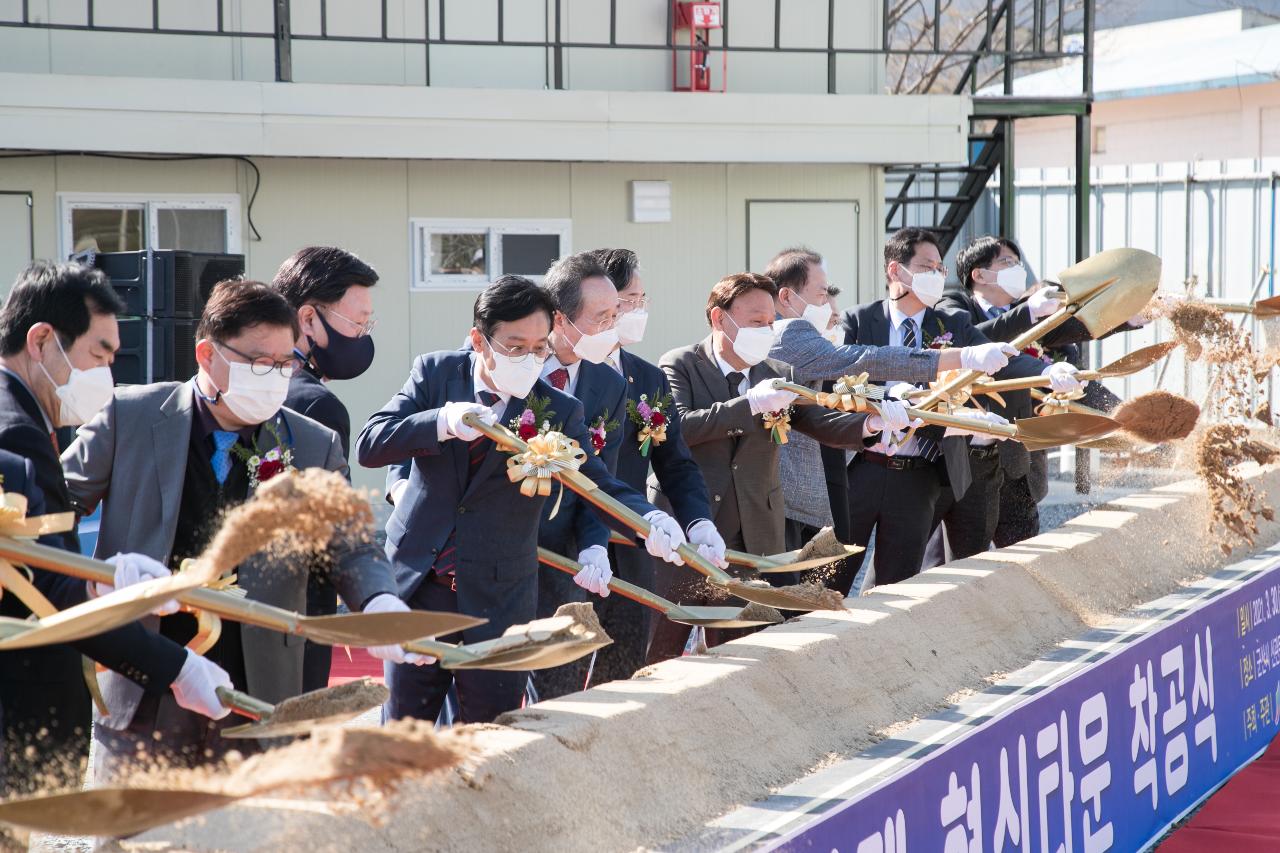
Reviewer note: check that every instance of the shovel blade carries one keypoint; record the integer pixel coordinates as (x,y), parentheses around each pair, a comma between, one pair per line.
(108,811)
(526,659)
(383,629)
(715,617)
(1139,359)
(1057,430)
(806,565)
(298,715)
(1111,287)
(778,598)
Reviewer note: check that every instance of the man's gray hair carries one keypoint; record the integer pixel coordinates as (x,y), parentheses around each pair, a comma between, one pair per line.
(564,281)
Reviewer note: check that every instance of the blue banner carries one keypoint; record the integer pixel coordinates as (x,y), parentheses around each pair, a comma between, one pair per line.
(1104,760)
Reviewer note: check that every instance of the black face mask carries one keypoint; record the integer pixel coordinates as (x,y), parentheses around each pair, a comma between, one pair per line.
(344,357)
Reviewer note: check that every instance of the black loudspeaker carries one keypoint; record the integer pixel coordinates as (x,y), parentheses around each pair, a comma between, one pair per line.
(156,350)
(167,283)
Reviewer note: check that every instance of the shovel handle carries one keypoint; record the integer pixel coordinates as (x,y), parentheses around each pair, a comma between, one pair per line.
(638,594)
(1024,382)
(587,490)
(244,704)
(1072,405)
(740,558)
(935,418)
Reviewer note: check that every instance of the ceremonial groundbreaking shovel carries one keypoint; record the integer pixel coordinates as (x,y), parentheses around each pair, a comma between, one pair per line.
(112,812)
(348,629)
(1126,365)
(543,468)
(1102,292)
(787,561)
(697,616)
(571,633)
(298,715)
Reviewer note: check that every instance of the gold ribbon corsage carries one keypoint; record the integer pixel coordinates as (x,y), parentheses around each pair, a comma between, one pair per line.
(1057,403)
(779,424)
(544,456)
(14,521)
(848,394)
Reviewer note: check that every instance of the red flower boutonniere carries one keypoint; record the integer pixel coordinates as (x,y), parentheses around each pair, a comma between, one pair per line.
(779,424)
(599,431)
(263,466)
(650,420)
(1036,351)
(533,420)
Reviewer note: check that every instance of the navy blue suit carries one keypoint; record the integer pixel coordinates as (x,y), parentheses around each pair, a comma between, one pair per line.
(495,528)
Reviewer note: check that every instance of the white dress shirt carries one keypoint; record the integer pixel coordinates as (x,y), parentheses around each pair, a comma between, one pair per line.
(478,383)
(727,368)
(552,364)
(988,308)
(896,319)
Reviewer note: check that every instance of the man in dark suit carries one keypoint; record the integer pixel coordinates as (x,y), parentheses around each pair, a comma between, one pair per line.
(58,336)
(673,467)
(894,485)
(166,461)
(329,288)
(462,537)
(723,389)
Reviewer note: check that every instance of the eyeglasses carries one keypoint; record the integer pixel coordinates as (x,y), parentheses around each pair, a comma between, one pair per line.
(519,353)
(263,364)
(633,303)
(942,268)
(1005,263)
(365,328)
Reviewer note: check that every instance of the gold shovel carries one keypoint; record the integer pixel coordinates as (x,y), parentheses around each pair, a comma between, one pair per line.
(348,629)
(1126,365)
(697,616)
(787,561)
(1269,307)
(1039,433)
(571,633)
(1102,292)
(783,598)
(298,715)
(114,812)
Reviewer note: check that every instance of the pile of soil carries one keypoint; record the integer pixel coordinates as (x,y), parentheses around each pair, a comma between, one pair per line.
(759,613)
(813,593)
(1234,504)
(823,544)
(349,699)
(1158,416)
(293,512)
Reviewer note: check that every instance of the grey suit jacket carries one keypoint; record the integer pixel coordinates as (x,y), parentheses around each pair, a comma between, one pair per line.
(132,457)
(731,445)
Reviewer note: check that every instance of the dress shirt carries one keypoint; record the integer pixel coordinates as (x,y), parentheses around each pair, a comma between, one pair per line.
(552,364)
(896,319)
(991,311)
(727,368)
(478,383)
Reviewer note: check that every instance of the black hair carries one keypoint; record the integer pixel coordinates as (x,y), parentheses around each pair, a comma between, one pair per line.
(510,298)
(619,264)
(790,267)
(564,280)
(980,254)
(238,304)
(321,275)
(64,295)
(902,244)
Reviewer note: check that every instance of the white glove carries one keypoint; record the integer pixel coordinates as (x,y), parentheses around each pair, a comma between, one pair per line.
(388,603)
(451,416)
(893,417)
(979,438)
(709,541)
(987,358)
(665,536)
(595,574)
(197,684)
(1062,378)
(1044,302)
(132,569)
(763,398)
(900,390)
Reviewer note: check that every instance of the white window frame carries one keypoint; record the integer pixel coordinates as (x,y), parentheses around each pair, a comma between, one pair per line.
(148,204)
(420,231)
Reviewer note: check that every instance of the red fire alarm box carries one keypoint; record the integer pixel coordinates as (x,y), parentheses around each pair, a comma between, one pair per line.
(691,28)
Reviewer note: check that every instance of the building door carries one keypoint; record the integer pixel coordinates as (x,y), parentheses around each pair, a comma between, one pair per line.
(16,247)
(829,227)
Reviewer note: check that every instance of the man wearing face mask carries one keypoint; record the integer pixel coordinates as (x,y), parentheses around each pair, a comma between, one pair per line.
(58,336)
(329,288)
(723,389)
(462,537)
(894,486)
(166,461)
(673,467)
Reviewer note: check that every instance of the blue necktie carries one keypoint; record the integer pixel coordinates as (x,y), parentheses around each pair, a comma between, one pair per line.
(994,311)
(222,441)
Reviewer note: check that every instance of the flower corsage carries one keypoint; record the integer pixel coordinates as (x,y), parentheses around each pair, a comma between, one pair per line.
(650,420)
(263,466)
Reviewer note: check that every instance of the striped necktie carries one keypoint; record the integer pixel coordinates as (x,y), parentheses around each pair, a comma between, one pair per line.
(909,339)
(925,447)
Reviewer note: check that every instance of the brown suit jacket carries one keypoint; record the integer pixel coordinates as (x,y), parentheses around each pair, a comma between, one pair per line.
(731,446)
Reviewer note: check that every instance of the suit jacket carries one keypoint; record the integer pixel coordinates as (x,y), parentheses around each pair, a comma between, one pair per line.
(732,447)
(150,660)
(131,458)
(672,464)
(496,526)
(869,324)
(308,395)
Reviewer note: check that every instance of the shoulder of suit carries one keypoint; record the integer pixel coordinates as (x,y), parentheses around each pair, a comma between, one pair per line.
(606,374)
(142,395)
(679,354)
(442,359)
(13,470)
(304,427)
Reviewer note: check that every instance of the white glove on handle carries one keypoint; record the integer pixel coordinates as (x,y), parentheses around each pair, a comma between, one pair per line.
(388,603)
(1062,378)
(1044,302)
(763,398)
(595,574)
(197,684)
(987,358)
(451,415)
(132,569)
(893,419)
(979,438)
(709,541)
(665,536)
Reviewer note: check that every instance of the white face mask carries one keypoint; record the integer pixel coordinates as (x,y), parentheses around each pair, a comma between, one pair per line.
(594,348)
(817,315)
(753,343)
(927,286)
(85,393)
(835,335)
(1012,281)
(514,377)
(631,326)
(252,398)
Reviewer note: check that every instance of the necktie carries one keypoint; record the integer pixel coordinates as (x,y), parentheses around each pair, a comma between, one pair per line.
(447,562)
(735,382)
(994,311)
(221,459)
(559,378)
(909,333)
